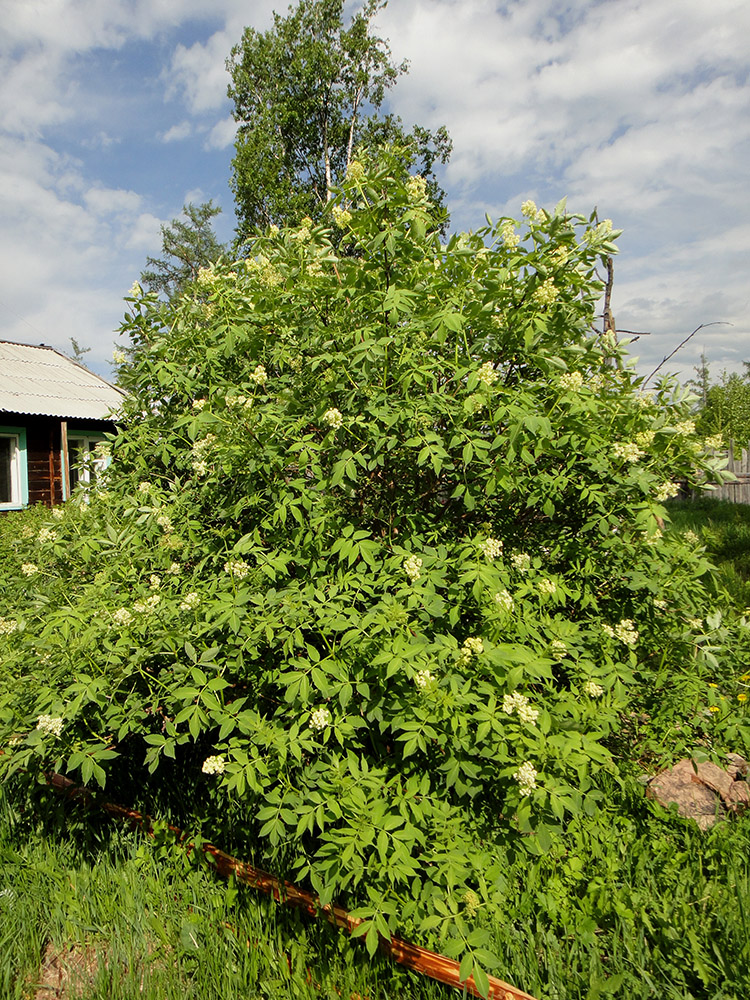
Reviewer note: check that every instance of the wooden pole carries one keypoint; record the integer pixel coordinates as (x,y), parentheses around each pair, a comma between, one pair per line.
(65,462)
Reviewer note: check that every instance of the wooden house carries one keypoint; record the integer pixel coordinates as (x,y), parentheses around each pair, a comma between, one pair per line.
(54,416)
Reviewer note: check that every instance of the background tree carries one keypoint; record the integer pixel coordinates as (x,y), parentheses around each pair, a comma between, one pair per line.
(725,407)
(79,352)
(188,244)
(306,94)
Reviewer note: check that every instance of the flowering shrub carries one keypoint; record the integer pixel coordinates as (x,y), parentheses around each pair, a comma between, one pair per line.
(380,542)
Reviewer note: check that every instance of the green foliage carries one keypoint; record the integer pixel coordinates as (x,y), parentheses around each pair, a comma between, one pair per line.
(724,407)
(187,245)
(307,93)
(378,560)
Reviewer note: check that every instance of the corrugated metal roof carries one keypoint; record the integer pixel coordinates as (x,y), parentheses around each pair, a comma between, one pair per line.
(40,380)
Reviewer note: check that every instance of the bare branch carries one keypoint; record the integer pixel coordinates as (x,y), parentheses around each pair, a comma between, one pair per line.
(668,356)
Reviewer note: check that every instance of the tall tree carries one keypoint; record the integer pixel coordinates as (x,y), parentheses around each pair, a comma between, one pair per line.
(188,244)
(306,94)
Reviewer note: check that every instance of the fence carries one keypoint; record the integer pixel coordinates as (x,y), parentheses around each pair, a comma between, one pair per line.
(738,491)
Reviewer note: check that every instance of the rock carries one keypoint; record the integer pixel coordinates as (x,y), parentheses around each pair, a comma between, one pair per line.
(702,791)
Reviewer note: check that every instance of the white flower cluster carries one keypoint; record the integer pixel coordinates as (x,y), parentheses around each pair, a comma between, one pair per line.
(119,357)
(190,601)
(521,561)
(264,270)
(29,569)
(653,539)
(214,765)
(165,522)
(199,404)
(239,402)
(592,689)
(492,548)
(147,606)
(341,216)
(510,237)
(558,648)
(528,208)
(526,778)
(154,581)
(599,235)
(695,623)
(46,535)
(517,702)
(487,374)
(201,449)
(546,293)
(644,439)
(690,537)
(715,442)
(237,568)
(333,418)
(320,718)
(122,617)
(472,647)
(412,567)
(416,189)
(144,487)
(135,290)
(572,381)
(685,427)
(50,725)
(559,256)
(58,513)
(625,631)
(8,626)
(355,172)
(627,450)
(504,601)
(424,679)
(259,375)
(174,569)
(206,277)
(665,491)
(547,587)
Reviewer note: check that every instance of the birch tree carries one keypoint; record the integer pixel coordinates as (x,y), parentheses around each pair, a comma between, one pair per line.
(306,94)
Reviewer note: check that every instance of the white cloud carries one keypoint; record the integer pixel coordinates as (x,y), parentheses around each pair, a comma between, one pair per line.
(145,234)
(109,201)
(222,134)
(176,133)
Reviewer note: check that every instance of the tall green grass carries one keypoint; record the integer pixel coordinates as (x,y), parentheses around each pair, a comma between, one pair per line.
(724,528)
(164,926)
(634,902)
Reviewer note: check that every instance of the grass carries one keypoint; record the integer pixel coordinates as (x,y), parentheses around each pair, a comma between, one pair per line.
(640,904)
(724,528)
(127,918)
(633,902)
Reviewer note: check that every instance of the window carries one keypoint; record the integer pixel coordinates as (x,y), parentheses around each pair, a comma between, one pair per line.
(88,456)
(13,477)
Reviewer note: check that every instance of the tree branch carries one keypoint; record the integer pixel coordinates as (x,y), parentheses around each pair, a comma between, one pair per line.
(668,356)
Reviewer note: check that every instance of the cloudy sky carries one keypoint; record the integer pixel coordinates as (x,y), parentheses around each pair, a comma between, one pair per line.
(113,114)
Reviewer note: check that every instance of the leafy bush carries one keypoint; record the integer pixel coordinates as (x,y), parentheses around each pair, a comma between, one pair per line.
(379,558)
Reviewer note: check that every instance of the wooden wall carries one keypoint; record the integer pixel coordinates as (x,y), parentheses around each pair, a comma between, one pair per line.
(43,452)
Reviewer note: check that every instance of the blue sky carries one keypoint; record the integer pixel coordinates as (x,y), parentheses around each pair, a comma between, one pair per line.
(114,114)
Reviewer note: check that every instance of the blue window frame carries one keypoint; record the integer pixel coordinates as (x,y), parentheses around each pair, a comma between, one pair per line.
(14,468)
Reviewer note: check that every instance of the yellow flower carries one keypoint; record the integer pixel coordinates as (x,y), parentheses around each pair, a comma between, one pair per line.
(742,697)
(713,708)
(713,685)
